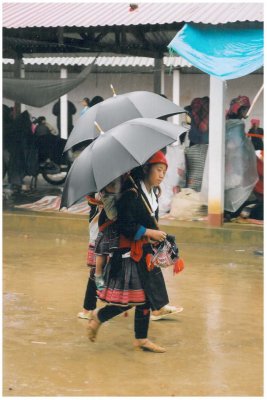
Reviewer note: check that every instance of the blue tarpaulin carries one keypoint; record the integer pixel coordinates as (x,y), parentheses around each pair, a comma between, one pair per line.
(223,51)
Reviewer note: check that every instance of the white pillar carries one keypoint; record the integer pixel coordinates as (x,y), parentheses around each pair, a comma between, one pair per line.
(162,83)
(63,109)
(176,93)
(22,75)
(216,152)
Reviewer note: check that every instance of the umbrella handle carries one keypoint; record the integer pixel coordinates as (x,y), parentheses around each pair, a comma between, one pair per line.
(98,127)
(113,90)
(254,101)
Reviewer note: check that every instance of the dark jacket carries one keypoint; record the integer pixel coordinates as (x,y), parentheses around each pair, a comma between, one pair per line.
(24,152)
(71,111)
(132,212)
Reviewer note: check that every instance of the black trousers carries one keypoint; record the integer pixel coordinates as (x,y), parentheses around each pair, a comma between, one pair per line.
(90,294)
(141,318)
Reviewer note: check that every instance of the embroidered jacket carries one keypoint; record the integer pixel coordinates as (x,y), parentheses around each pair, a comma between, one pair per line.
(133,216)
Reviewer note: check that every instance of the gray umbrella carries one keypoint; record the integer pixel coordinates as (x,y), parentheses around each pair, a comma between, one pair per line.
(114,153)
(118,109)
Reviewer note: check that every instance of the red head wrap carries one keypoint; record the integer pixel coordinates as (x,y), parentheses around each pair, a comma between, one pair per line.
(240,101)
(158,158)
(255,121)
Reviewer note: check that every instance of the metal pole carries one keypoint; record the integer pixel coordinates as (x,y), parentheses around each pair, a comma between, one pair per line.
(176,92)
(63,109)
(157,75)
(22,75)
(17,105)
(216,152)
(162,88)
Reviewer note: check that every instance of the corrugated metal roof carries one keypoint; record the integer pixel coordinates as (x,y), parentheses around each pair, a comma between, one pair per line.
(101,61)
(22,15)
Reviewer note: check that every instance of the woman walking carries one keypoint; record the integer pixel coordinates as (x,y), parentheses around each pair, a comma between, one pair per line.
(128,279)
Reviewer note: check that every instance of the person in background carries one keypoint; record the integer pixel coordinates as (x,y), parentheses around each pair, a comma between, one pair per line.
(256,134)
(198,122)
(8,136)
(51,128)
(199,115)
(239,107)
(71,111)
(240,160)
(50,147)
(89,303)
(23,152)
(86,105)
(95,100)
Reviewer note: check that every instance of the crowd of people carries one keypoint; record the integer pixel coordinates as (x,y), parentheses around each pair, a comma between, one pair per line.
(243,160)
(32,145)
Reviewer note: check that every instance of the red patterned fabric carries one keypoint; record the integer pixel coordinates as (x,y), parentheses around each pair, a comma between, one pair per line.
(178,266)
(240,101)
(255,121)
(200,113)
(122,297)
(260,168)
(135,246)
(105,225)
(91,258)
(92,201)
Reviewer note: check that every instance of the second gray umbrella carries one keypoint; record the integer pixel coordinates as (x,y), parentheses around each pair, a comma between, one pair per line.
(114,153)
(118,109)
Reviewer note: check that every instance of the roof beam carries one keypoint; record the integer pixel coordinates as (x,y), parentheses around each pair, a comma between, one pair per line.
(53,40)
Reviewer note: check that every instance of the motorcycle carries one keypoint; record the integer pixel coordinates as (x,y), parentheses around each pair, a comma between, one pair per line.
(51,172)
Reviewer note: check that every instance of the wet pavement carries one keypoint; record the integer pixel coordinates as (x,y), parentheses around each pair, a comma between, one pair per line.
(214,347)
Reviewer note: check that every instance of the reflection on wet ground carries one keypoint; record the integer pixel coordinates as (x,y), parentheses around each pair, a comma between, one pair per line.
(214,347)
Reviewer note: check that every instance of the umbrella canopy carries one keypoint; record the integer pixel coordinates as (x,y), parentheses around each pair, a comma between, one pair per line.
(116,152)
(119,109)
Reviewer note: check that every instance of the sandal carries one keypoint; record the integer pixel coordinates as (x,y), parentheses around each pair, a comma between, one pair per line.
(148,346)
(85,314)
(165,311)
(93,327)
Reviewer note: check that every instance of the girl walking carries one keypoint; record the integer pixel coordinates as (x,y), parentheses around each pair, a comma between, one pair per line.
(128,279)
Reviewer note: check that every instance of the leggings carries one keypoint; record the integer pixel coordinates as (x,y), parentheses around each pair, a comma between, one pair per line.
(90,294)
(141,318)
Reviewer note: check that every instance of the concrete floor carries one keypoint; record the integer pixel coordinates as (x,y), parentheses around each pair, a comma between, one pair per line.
(214,347)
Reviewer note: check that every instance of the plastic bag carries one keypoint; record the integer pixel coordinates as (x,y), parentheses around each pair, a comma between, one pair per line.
(187,205)
(166,254)
(240,167)
(175,176)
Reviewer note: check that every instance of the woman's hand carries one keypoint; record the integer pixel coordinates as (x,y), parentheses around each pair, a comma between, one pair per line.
(154,234)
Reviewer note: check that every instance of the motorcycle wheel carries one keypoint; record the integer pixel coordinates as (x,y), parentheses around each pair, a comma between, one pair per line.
(56,179)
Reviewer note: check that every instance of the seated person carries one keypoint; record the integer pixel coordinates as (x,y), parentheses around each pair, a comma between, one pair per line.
(50,147)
